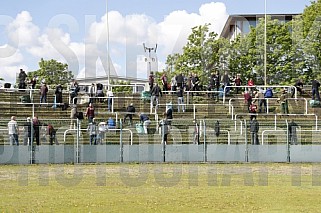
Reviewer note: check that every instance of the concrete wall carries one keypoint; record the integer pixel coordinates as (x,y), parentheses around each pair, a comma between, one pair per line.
(158,153)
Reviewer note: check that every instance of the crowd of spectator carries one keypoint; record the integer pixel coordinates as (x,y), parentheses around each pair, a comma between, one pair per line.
(254,96)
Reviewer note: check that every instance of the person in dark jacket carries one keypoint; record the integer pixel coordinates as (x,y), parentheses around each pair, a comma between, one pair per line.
(254,129)
(144,119)
(293,139)
(299,87)
(156,92)
(151,79)
(131,111)
(180,100)
(43,93)
(217,128)
(180,80)
(164,125)
(22,79)
(58,93)
(315,89)
(169,114)
(36,129)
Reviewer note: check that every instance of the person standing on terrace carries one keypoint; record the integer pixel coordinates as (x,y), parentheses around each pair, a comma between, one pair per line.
(164,81)
(43,93)
(90,112)
(299,87)
(110,97)
(13,131)
(315,89)
(58,93)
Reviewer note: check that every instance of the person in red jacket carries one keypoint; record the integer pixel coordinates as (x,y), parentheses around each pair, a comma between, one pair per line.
(90,112)
(251,85)
(252,110)
(248,99)
(238,83)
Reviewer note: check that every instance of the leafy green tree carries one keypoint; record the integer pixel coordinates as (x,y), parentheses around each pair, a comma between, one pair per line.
(123,89)
(200,54)
(53,72)
(246,53)
(308,40)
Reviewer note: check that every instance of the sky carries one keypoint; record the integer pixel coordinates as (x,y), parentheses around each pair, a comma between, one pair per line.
(79,33)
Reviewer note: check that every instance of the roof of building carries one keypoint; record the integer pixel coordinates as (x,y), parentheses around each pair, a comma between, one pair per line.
(235,17)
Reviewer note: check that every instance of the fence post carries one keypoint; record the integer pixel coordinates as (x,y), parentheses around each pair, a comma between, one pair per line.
(163,142)
(287,142)
(31,147)
(205,144)
(246,143)
(77,144)
(121,151)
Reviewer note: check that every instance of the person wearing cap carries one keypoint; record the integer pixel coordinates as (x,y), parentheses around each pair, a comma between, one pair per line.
(13,131)
(27,132)
(130,112)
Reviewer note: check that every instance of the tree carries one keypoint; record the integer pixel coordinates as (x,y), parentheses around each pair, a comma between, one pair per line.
(246,53)
(200,54)
(308,32)
(53,72)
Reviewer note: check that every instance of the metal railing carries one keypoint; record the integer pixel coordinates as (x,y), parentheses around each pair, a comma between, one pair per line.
(231,111)
(260,86)
(129,130)
(275,117)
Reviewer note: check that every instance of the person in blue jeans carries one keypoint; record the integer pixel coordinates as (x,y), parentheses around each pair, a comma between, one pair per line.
(92,129)
(146,122)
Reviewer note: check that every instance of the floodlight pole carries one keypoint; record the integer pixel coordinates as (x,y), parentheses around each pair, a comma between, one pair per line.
(265,56)
(108,61)
(149,60)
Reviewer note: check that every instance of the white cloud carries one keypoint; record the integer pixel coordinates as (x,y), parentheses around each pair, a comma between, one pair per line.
(126,36)
(22,31)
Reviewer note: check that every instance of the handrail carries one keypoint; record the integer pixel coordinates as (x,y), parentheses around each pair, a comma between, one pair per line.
(131,133)
(105,97)
(267,102)
(275,116)
(206,92)
(260,86)
(270,130)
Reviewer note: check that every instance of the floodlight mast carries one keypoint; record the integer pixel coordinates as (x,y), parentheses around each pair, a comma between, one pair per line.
(265,46)
(149,59)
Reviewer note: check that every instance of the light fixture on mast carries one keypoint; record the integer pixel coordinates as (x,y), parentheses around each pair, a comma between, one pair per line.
(149,59)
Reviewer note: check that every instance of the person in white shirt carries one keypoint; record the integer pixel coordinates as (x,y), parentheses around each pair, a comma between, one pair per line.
(110,96)
(92,92)
(13,131)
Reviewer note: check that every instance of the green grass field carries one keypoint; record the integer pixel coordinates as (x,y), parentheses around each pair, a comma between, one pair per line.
(161,188)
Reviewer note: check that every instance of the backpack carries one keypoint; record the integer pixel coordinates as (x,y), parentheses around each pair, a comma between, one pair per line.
(253,108)
(268,93)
